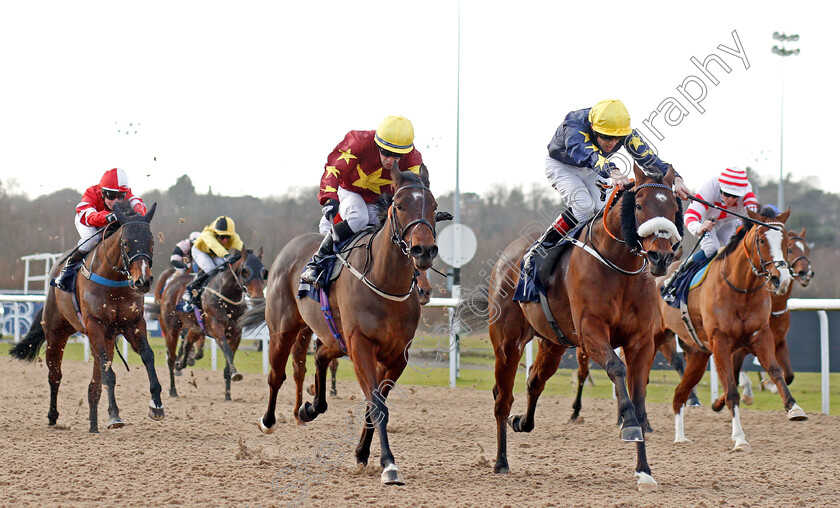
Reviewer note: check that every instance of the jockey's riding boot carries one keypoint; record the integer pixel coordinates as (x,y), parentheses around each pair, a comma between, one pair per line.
(313,272)
(550,238)
(668,289)
(62,280)
(192,292)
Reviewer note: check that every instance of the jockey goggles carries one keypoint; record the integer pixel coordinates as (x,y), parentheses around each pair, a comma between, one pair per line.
(728,195)
(388,153)
(607,138)
(110,194)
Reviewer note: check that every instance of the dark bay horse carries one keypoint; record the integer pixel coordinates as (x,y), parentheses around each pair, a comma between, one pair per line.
(798,260)
(730,310)
(109,293)
(223,302)
(600,303)
(376,311)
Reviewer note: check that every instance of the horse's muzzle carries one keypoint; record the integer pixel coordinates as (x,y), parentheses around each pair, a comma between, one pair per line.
(659,261)
(143,284)
(423,255)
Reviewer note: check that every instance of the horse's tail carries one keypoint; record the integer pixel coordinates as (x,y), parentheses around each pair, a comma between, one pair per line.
(254,317)
(475,309)
(154,311)
(27,349)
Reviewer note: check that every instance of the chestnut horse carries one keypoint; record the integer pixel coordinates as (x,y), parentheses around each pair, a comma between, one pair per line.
(223,302)
(375,312)
(730,310)
(601,299)
(800,270)
(107,301)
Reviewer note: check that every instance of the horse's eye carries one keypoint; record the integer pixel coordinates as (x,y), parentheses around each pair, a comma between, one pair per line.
(399,207)
(761,241)
(638,208)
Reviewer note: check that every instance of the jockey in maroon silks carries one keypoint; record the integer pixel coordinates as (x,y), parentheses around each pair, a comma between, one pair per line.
(356,173)
(93,212)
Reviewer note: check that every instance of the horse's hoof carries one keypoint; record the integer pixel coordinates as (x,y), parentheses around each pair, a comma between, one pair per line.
(156,413)
(741,447)
(632,435)
(311,390)
(115,423)
(191,361)
(796,414)
(682,440)
(94,430)
(645,482)
(391,475)
(177,373)
(307,412)
(199,354)
(333,393)
(179,366)
(501,468)
(694,402)
(173,393)
(236,376)
(748,400)
(267,430)
(576,419)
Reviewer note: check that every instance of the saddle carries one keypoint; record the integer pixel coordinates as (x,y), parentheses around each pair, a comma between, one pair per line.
(686,281)
(544,262)
(330,264)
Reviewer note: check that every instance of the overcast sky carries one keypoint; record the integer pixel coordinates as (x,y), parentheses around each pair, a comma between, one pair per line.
(250,97)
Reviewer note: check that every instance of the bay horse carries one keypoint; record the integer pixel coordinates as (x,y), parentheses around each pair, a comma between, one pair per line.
(375,312)
(107,301)
(730,310)
(197,350)
(799,263)
(223,302)
(601,299)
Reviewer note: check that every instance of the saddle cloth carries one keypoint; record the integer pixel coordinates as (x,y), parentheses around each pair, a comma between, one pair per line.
(688,280)
(544,261)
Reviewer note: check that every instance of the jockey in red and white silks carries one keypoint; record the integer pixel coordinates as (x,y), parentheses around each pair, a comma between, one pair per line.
(730,190)
(96,207)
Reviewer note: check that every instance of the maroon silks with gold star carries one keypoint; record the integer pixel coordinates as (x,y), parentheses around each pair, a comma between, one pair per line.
(355,165)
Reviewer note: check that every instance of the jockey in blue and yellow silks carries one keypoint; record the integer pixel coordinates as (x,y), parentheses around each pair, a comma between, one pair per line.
(578,166)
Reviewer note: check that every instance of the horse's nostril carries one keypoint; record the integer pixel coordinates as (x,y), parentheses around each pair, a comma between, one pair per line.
(433,252)
(654,257)
(416,251)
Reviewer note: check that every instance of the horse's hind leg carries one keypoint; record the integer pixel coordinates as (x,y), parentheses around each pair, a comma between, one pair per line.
(299,351)
(508,355)
(677,360)
(171,335)
(582,374)
(737,362)
(763,347)
(310,411)
(695,368)
(234,339)
(279,346)
(54,354)
(333,370)
(220,332)
(545,365)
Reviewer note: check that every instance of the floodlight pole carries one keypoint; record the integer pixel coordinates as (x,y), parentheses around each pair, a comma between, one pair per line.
(782,38)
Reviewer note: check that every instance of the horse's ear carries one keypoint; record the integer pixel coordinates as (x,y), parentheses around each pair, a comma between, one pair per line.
(118,211)
(396,176)
(260,255)
(638,173)
(783,217)
(424,175)
(670,176)
(755,216)
(802,234)
(151,213)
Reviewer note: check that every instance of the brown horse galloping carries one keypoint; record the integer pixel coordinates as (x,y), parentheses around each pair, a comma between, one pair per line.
(800,270)
(109,292)
(730,311)
(223,302)
(601,299)
(376,313)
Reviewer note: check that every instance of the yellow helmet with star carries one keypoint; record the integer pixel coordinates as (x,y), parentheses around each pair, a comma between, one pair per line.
(223,226)
(395,134)
(610,118)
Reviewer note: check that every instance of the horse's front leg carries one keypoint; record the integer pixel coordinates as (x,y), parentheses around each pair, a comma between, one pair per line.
(595,334)
(363,354)
(389,376)
(721,348)
(638,354)
(136,336)
(221,331)
(545,365)
(762,345)
(695,368)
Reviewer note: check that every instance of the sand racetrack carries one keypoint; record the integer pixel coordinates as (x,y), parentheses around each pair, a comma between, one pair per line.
(211,453)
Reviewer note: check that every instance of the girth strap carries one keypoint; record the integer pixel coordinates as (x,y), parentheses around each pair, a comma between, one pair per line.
(102,281)
(554,326)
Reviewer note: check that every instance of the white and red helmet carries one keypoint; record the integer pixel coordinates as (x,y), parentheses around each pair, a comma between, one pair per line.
(114,180)
(734,181)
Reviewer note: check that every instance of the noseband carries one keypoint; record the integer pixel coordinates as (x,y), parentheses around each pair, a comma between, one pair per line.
(803,256)
(398,233)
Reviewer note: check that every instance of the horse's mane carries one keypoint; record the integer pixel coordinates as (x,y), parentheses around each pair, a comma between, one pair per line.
(766,212)
(628,217)
(126,208)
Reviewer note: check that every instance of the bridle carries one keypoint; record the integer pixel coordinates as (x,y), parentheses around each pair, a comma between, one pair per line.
(793,274)
(397,233)
(759,270)
(124,259)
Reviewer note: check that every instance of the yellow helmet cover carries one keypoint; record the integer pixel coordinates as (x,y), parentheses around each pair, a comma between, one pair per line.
(610,117)
(395,134)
